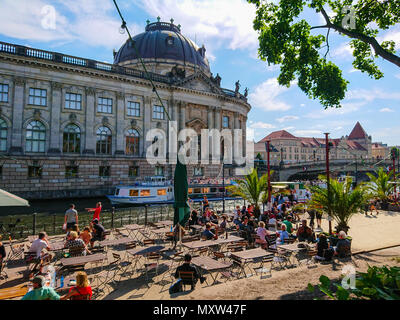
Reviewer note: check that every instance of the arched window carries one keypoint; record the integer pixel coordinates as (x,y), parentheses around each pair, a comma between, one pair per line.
(72,139)
(104,137)
(132,138)
(35,137)
(3,135)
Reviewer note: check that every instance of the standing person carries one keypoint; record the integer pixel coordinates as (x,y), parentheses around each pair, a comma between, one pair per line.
(318,215)
(97,210)
(205,203)
(71,217)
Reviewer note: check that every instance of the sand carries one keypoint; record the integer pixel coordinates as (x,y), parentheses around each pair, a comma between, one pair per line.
(368,233)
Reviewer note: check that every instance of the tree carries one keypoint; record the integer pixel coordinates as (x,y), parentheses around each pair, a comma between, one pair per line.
(379,185)
(342,201)
(253,188)
(286,39)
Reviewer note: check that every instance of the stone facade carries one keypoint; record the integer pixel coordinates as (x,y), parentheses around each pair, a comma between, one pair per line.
(194,102)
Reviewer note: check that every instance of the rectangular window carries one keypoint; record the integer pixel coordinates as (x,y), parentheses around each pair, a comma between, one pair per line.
(3,92)
(198,172)
(104,105)
(145,193)
(161,192)
(133,109)
(133,172)
(34,172)
(104,171)
(225,122)
(133,193)
(190,190)
(73,101)
(158,113)
(159,171)
(71,171)
(37,97)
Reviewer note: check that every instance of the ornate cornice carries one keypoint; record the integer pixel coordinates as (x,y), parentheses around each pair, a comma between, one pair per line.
(90,91)
(56,85)
(19,81)
(120,95)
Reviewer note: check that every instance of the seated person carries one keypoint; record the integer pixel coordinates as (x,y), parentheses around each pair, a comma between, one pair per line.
(237,216)
(37,249)
(324,252)
(214,217)
(86,235)
(186,266)
(304,233)
(223,224)
(288,223)
(40,291)
(272,220)
(262,233)
(343,245)
(2,251)
(264,217)
(283,234)
(75,242)
(246,228)
(207,234)
(97,234)
(81,289)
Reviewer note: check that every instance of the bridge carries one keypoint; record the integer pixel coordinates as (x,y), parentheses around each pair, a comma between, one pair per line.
(311,169)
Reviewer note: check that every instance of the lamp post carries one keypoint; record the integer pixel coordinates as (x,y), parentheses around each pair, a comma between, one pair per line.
(327,179)
(269,174)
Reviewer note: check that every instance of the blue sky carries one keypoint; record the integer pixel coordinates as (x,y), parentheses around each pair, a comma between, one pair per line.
(89,28)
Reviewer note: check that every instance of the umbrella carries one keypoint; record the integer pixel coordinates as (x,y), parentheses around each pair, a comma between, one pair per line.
(8,200)
(181,207)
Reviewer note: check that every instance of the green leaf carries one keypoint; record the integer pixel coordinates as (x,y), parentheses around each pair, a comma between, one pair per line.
(342,294)
(325,281)
(310,288)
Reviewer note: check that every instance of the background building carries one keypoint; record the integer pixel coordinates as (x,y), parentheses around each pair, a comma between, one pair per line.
(75,127)
(292,149)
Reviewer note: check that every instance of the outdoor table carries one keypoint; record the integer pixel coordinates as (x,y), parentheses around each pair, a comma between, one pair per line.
(82,260)
(115,242)
(197,228)
(131,228)
(13,292)
(161,232)
(208,243)
(165,223)
(57,246)
(212,266)
(248,256)
(292,248)
(141,251)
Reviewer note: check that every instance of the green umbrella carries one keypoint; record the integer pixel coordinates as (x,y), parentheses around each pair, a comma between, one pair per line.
(181,207)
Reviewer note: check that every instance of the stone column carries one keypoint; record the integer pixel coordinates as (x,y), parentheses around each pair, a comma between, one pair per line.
(55,110)
(182,119)
(147,113)
(17,116)
(235,144)
(90,136)
(217,121)
(119,127)
(210,119)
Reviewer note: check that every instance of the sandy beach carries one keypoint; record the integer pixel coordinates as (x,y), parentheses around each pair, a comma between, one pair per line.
(368,232)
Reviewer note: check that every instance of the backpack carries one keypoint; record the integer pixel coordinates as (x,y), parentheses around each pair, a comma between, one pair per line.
(176,287)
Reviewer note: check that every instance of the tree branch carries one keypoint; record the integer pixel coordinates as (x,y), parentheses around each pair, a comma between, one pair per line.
(319,27)
(379,50)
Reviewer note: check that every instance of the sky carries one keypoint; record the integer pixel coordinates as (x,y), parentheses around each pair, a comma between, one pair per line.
(90,29)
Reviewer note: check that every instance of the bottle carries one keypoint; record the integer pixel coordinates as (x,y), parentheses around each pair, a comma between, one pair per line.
(62,282)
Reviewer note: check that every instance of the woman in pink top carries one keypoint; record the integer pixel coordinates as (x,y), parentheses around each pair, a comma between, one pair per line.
(262,233)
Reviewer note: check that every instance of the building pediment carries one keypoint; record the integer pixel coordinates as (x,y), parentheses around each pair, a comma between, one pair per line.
(200,82)
(196,124)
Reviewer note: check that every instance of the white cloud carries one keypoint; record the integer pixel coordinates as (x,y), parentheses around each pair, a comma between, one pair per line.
(261,125)
(249,134)
(302,105)
(91,22)
(287,118)
(308,133)
(222,23)
(343,51)
(386,110)
(397,76)
(265,96)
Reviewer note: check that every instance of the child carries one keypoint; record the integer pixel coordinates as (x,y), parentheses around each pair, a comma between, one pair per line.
(86,235)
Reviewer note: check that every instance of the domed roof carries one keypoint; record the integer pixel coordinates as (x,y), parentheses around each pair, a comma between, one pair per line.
(163,41)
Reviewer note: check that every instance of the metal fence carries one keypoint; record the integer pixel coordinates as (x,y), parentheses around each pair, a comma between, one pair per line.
(22,226)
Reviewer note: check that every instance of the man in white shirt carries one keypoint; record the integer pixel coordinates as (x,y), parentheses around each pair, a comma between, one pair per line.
(39,244)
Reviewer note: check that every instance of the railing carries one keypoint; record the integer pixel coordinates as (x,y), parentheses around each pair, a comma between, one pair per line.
(52,223)
(87,63)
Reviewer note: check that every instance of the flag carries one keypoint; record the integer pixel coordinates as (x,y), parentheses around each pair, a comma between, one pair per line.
(181,207)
